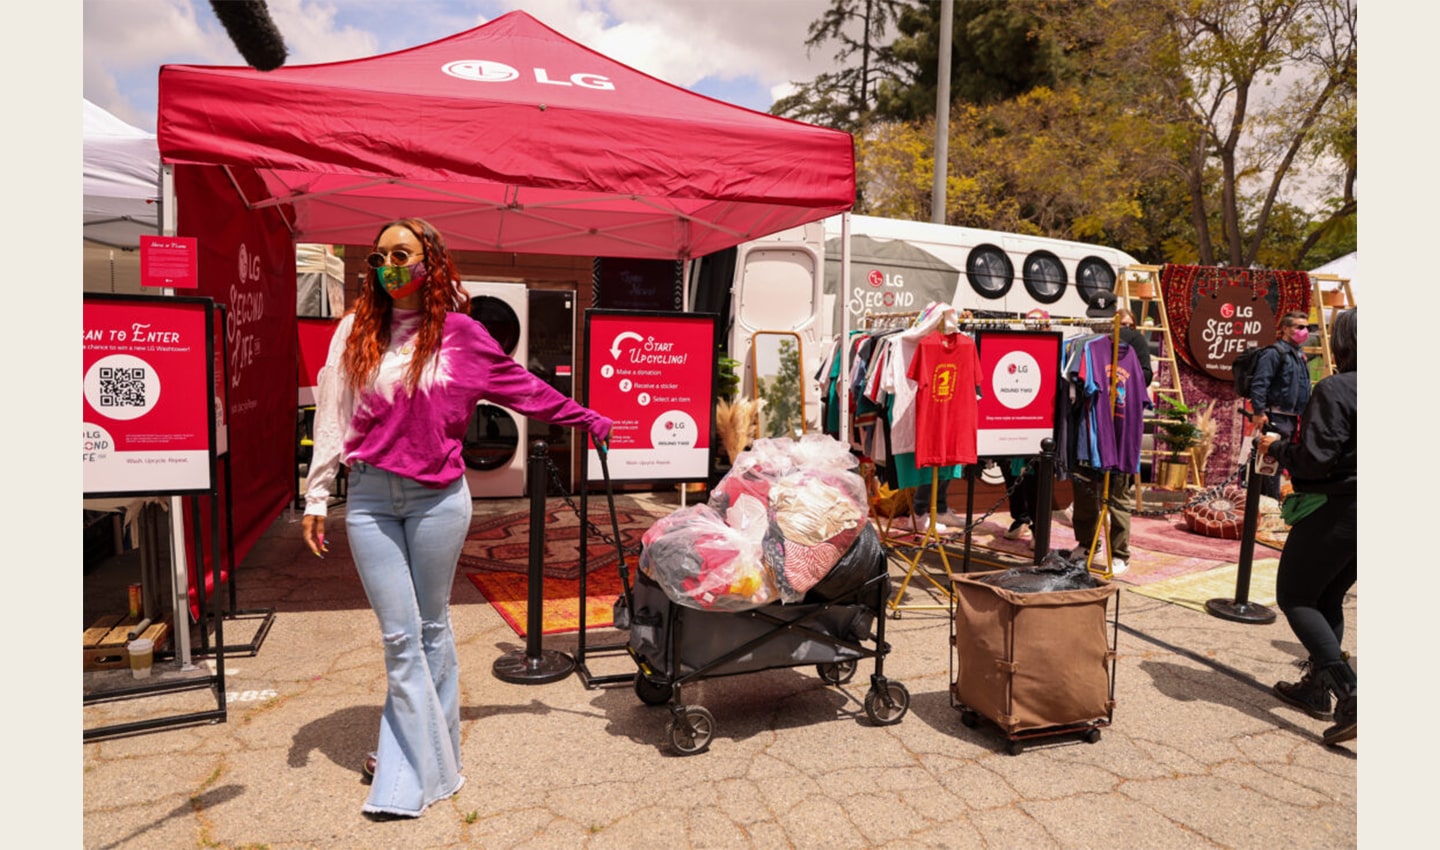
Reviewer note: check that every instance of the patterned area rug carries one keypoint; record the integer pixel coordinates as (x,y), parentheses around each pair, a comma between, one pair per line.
(1161,548)
(496,559)
(1193,590)
(502,543)
(509,594)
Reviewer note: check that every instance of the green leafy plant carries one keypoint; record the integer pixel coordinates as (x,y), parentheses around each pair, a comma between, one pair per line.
(1176,429)
(729,377)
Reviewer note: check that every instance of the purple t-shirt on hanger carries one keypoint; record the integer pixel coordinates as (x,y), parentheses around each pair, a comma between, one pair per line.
(1115,441)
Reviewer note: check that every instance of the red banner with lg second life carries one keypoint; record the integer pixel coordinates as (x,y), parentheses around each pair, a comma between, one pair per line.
(246,263)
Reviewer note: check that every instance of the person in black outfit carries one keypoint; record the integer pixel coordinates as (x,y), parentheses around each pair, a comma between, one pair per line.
(1280,387)
(1317,565)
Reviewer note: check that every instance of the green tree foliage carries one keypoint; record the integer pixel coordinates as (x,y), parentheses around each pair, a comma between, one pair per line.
(782,410)
(1173,129)
(997,50)
(1272,84)
(842,99)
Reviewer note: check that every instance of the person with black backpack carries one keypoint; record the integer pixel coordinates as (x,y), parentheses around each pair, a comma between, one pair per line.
(1280,386)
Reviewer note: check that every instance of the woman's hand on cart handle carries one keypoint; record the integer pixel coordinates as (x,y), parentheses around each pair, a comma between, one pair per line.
(600,431)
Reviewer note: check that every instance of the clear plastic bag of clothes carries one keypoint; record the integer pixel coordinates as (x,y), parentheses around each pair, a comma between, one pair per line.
(819,512)
(711,562)
(771,459)
(1053,573)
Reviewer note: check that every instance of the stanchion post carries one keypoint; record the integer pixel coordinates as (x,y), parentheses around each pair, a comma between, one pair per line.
(1044,494)
(1241,609)
(536,666)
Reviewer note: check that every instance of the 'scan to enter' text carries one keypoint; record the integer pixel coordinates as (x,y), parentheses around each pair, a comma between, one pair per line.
(135,600)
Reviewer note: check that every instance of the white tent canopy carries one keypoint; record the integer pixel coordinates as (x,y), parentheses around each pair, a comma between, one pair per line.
(122,194)
(1346,267)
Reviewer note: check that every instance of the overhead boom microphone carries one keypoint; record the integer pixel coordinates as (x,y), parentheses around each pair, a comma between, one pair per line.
(252,31)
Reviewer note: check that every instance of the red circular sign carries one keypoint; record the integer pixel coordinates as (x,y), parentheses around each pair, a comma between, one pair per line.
(876,277)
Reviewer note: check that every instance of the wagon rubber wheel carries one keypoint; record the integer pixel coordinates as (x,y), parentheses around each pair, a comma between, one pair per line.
(837,672)
(1015,748)
(1092,737)
(970,719)
(651,693)
(693,734)
(887,712)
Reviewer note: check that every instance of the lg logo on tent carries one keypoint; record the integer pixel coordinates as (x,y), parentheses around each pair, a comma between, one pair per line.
(485,71)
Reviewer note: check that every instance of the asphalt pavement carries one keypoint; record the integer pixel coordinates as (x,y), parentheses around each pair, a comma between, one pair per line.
(1196,753)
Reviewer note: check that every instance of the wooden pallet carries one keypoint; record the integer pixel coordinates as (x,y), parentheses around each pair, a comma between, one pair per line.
(104,642)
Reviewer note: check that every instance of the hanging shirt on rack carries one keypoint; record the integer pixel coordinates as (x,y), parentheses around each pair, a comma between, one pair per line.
(946,370)
(1115,436)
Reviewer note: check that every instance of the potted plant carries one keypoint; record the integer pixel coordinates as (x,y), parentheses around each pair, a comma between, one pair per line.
(1177,432)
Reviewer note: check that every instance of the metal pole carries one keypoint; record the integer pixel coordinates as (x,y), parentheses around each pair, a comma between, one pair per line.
(942,114)
(536,666)
(1044,493)
(1241,609)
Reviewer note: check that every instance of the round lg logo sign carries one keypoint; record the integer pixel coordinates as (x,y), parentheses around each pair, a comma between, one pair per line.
(481,70)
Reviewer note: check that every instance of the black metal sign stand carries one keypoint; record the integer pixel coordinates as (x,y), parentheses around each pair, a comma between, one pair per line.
(216,681)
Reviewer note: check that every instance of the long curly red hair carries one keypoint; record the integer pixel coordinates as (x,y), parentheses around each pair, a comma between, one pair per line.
(440,294)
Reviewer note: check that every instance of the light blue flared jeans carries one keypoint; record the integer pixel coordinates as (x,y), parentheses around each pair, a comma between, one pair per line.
(406,540)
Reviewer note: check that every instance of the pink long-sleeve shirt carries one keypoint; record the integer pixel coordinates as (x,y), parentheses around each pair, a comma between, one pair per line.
(420,435)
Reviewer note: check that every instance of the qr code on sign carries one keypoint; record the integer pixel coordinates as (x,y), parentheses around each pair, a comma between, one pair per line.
(122,387)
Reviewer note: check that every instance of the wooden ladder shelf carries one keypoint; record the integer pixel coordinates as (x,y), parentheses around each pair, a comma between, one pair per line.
(1138,288)
(1330,294)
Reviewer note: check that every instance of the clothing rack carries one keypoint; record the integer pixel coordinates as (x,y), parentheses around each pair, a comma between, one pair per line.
(1102,520)
(871,320)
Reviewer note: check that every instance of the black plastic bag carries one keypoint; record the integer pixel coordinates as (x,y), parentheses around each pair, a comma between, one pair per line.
(1053,573)
(863,561)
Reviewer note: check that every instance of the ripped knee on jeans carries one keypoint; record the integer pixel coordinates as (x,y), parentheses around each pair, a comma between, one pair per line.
(432,630)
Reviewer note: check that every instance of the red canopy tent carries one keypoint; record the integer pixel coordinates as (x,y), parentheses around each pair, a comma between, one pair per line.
(508,137)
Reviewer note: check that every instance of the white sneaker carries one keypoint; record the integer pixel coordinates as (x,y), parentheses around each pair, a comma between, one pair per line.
(922,525)
(1017,531)
(1118,566)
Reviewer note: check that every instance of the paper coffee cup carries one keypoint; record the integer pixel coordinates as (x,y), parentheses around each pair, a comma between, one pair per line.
(142,656)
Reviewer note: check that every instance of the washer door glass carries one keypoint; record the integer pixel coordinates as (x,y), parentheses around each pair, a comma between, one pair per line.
(1094,275)
(989,271)
(499,319)
(491,440)
(1044,277)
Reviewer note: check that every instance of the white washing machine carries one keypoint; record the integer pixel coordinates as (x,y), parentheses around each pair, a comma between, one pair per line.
(496,449)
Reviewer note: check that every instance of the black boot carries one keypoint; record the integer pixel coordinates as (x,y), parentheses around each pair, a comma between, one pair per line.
(1340,678)
(1309,694)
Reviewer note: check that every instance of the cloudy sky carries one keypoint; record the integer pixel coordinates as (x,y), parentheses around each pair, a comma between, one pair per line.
(745,52)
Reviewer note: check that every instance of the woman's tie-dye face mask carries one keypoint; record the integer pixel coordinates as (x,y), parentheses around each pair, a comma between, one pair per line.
(401,281)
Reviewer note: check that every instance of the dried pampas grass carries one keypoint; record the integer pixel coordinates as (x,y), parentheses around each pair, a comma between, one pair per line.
(1205,421)
(736,423)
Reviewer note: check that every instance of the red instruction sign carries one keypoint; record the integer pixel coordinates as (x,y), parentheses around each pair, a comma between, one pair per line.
(653,373)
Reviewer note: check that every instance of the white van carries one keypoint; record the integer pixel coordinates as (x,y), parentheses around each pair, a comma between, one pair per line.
(787,285)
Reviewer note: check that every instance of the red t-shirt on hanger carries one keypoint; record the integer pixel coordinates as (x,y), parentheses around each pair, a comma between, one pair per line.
(946,369)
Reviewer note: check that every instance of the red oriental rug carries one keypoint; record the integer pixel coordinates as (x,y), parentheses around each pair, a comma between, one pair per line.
(1161,548)
(509,594)
(496,559)
(502,543)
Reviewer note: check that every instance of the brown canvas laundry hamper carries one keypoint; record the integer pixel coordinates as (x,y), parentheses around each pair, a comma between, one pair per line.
(1033,664)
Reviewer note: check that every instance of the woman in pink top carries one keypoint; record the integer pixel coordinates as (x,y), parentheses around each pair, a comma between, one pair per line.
(405,370)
